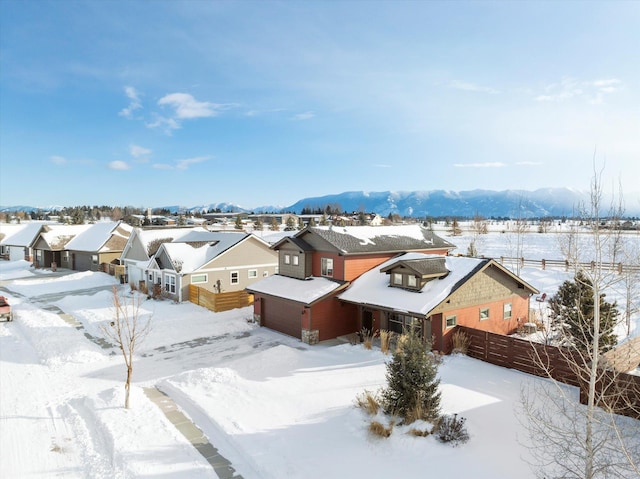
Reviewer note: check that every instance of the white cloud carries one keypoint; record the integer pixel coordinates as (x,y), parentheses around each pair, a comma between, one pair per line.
(186,106)
(118,165)
(468,86)
(167,124)
(134,102)
(307,115)
(488,164)
(181,164)
(529,163)
(568,88)
(162,166)
(185,163)
(58,160)
(138,151)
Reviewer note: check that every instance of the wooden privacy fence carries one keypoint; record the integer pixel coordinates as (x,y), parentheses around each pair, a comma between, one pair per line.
(619,391)
(218,302)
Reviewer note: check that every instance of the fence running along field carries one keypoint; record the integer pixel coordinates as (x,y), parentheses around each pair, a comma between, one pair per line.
(566,265)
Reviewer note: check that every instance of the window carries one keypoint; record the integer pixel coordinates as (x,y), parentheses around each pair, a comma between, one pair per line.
(287,259)
(326,267)
(484,313)
(400,323)
(397,279)
(253,273)
(412,281)
(295,260)
(235,277)
(94,259)
(170,283)
(507,311)
(199,278)
(451,321)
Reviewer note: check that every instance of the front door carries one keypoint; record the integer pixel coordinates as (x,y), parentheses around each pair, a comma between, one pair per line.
(367,320)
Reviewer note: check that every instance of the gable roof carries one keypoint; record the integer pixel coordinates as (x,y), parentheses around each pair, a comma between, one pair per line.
(378,239)
(58,236)
(21,235)
(193,255)
(165,235)
(109,235)
(425,267)
(372,288)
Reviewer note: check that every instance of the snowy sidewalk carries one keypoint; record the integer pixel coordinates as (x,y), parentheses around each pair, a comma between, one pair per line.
(221,466)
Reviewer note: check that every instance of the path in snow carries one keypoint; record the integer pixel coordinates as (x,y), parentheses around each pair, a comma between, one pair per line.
(194,435)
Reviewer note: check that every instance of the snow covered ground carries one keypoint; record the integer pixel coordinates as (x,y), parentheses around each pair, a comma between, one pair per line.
(272,406)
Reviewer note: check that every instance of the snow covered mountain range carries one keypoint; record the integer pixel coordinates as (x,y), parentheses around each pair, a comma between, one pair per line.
(435,203)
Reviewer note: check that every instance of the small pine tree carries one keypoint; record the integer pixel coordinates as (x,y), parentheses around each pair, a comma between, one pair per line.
(412,383)
(291,224)
(573,306)
(238,224)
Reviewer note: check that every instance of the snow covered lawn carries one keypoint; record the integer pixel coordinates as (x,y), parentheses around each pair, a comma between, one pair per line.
(273,406)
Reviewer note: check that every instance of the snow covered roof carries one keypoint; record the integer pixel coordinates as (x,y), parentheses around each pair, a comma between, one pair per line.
(20,235)
(373,288)
(375,239)
(194,254)
(98,235)
(174,234)
(58,236)
(302,290)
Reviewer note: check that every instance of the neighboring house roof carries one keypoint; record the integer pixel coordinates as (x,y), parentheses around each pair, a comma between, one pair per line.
(58,236)
(378,239)
(165,235)
(187,257)
(304,291)
(23,235)
(102,236)
(372,288)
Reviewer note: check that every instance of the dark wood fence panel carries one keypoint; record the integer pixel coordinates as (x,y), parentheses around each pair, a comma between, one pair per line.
(618,391)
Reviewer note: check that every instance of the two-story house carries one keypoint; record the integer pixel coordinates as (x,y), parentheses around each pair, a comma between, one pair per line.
(433,294)
(318,263)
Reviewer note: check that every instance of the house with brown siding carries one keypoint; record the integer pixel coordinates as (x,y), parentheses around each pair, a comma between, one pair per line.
(318,263)
(99,245)
(49,247)
(432,294)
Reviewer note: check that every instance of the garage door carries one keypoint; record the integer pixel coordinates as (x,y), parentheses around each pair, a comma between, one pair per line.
(282,316)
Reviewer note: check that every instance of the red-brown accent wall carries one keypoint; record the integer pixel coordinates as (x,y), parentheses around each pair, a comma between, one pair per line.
(470,317)
(333,318)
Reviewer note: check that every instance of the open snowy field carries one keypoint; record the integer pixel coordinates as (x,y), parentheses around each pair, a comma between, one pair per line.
(272,406)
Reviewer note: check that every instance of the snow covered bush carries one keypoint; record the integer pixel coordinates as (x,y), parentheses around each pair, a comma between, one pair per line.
(451,429)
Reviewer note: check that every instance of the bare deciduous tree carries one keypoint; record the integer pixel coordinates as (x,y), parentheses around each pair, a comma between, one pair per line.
(128,329)
(587,440)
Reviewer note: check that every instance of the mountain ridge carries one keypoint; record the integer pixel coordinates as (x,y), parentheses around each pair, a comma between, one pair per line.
(542,202)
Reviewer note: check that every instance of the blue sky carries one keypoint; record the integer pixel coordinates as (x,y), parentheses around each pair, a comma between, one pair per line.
(150,103)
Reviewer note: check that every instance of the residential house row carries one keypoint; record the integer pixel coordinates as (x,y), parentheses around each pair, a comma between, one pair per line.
(318,283)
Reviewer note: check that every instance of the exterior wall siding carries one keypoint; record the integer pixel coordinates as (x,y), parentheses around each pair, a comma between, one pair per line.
(333,318)
(300,270)
(357,265)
